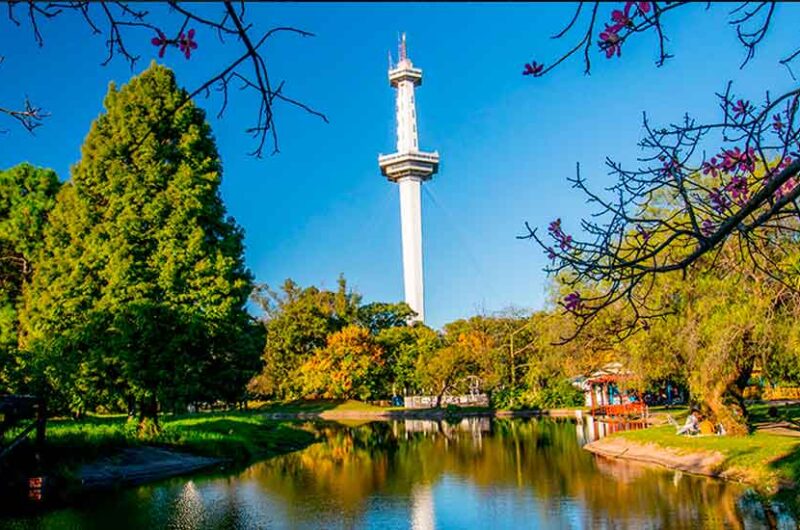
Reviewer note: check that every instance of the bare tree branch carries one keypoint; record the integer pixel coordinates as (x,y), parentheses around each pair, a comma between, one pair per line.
(121,23)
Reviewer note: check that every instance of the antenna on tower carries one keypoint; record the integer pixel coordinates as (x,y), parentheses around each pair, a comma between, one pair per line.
(390,60)
(403,55)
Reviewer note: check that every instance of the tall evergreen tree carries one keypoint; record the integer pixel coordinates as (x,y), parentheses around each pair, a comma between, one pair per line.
(140,294)
(27,194)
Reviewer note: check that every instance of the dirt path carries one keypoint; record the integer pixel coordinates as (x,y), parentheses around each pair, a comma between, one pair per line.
(137,465)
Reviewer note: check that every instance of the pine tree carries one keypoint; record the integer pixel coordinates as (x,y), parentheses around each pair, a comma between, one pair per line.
(27,194)
(140,294)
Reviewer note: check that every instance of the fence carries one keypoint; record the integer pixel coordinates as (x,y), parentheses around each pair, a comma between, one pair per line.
(624,410)
(13,411)
(465,400)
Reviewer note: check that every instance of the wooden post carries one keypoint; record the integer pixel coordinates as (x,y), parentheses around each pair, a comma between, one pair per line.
(41,422)
(41,427)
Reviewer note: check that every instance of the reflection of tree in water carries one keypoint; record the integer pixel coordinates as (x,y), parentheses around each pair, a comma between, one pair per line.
(543,458)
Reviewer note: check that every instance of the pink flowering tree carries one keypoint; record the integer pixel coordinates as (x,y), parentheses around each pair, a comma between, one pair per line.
(125,27)
(697,186)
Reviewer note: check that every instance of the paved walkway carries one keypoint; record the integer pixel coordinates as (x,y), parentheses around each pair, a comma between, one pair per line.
(137,465)
(783,428)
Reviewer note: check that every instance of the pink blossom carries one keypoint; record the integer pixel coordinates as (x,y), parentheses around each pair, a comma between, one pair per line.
(711,167)
(551,254)
(786,188)
(573,301)
(738,188)
(741,108)
(791,183)
(777,123)
(533,68)
(162,41)
(644,7)
(621,19)
(610,41)
(187,43)
(719,199)
(737,160)
(565,241)
(670,165)
(707,227)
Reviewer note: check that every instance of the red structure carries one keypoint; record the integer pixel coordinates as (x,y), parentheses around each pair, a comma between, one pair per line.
(606,397)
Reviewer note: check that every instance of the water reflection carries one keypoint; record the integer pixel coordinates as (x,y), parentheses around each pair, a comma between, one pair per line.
(473,473)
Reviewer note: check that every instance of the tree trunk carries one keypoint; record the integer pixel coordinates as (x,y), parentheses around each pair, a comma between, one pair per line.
(730,415)
(148,416)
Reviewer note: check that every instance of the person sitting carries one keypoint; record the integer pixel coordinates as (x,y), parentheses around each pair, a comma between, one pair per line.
(691,425)
(706,427)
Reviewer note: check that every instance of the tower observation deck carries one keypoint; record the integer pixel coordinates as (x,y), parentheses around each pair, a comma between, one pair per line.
(409,167)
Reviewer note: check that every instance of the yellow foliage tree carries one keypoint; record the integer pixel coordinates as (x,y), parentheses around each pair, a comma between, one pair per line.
(349,366)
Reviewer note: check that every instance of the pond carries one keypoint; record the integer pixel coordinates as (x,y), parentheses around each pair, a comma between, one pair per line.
(419,474)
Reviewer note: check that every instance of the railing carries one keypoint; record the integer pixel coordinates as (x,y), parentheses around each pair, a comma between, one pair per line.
(13,411)
(624,410)
(464,400)
(415,155)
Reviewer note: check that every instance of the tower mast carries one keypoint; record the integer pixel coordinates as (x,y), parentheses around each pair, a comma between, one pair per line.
(409,168)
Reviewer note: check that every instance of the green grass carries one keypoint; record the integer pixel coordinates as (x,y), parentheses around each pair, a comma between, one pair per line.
(237,436)
(759,412)
(764,460)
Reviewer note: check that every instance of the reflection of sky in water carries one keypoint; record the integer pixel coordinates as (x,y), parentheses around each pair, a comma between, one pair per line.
(424,476)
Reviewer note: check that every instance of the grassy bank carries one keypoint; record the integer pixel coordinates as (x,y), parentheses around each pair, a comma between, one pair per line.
(303,406)
(765,460)
(236,436)
(338,409)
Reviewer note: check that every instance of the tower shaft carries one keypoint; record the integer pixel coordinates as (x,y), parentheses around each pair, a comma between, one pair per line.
(411,222)
(409,168)
(407,139)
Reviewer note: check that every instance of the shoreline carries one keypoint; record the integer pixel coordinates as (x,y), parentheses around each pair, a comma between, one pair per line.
(698,462)
(417,414)
(763,462)
(142,464)
(133,466)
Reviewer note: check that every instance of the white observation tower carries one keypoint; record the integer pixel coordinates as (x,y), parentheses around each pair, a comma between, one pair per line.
(409,167)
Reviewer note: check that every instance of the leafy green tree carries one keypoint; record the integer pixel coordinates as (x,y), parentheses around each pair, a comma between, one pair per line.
(140,250)
(723,325)
(298,322)
(449,367)
(404,346)
(497,362)
(378,316)
(27,194)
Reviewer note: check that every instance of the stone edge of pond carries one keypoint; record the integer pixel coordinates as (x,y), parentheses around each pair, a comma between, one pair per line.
(139,465)
(699,462)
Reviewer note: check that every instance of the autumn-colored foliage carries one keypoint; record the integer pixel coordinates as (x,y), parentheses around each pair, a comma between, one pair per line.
(349,366)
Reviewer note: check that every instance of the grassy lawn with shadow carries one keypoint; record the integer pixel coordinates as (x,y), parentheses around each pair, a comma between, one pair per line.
(767,461)
(235,436)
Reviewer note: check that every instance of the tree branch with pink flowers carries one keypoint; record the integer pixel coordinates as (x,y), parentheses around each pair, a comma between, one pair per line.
(125,26)
(695,187)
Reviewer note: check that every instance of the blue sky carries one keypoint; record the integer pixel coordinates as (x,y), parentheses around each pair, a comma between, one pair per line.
(507,142)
